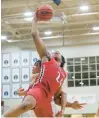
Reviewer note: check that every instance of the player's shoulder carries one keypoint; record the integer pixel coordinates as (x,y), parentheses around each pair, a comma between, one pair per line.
(44,59)
(48,59)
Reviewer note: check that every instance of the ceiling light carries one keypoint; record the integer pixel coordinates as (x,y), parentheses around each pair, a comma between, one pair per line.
(28,14)
(95,28)
(84,8)
(48,32)
(3,37)
(51,37)
(28,19)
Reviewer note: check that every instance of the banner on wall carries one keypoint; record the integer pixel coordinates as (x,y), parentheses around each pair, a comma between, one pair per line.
(15,75)
(15,87)
(25,58)
(6,77)
(35,57)
(25,74)
(6,91)
(6,60)
(89,99)
(25,86)
(15,60)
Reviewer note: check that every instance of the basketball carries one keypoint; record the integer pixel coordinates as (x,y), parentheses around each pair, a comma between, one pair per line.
(44,13)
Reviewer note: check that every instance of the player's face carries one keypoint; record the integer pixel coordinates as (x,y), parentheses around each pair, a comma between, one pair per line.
(57,56)
(36,68)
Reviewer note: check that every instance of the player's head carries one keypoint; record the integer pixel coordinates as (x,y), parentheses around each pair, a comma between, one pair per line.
(37,66)
(59,58)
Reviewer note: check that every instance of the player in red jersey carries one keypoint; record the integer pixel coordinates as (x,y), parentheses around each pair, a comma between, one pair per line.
(35,71)
(40,95)
(57,99)
(47,83)
(21,92)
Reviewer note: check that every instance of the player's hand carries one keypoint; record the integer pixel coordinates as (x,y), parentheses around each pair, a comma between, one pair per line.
(20,91)
(35,18)
(59,114)
(75,105)
(34,31)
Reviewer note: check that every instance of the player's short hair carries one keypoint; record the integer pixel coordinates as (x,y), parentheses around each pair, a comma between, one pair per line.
(63,61)
(38,62)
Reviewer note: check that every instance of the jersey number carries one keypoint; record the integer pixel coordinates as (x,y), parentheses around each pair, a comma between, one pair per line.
(58,79)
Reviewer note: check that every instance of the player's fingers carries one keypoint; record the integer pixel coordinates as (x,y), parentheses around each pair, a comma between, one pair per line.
(78,107)
(83,104)
(76,101)
(81,107)
(35,17)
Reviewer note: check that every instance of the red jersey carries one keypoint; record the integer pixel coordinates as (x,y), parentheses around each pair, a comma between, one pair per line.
(51,77)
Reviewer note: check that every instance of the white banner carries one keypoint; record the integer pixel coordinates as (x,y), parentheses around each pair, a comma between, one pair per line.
(25,58)
(35,57)
(6,60)
(15,60)
(25,74)
(6,91)
(15,75)
(6,75)
(15,87)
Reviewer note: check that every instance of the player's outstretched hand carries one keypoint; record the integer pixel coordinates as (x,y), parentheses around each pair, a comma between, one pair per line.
(76,105)
(20,91)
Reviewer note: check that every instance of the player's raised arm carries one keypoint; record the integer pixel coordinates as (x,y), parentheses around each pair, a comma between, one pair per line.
(40,46)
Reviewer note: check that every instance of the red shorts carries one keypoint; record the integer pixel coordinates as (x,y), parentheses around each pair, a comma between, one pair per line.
(44,111)
(43,107)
